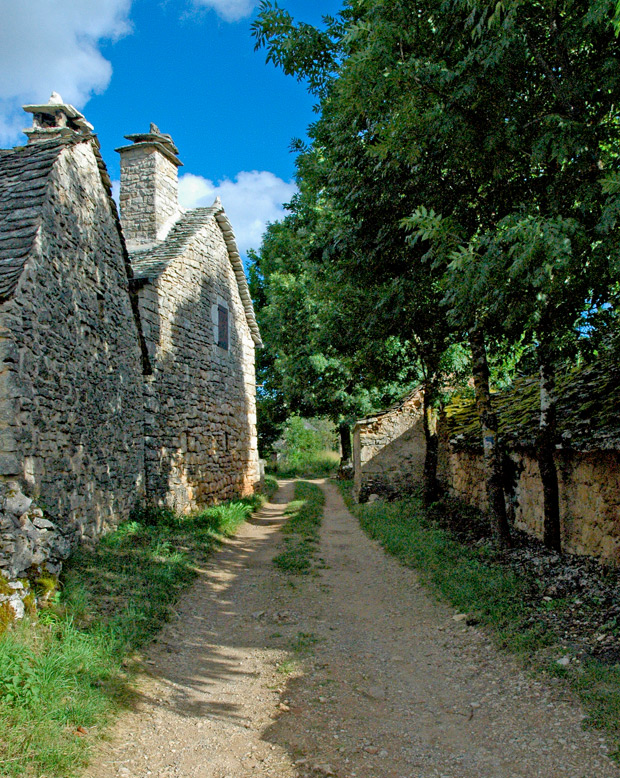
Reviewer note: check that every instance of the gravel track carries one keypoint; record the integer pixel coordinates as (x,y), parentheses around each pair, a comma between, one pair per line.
(356,672)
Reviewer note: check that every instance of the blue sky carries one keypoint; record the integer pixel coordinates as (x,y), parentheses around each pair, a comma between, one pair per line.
(187,65)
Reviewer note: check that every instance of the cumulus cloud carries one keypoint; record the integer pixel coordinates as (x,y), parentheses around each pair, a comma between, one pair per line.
(53,46)
(251,201)
(229,10)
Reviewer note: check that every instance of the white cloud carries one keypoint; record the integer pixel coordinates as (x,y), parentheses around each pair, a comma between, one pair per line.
(229,10)
(50,46)
(251,201)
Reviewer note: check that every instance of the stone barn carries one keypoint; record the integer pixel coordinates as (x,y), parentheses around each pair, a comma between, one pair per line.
(71,398)
(200,333)
(389,449)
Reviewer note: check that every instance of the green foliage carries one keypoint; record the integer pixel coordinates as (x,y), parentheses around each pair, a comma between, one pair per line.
(63,675)
(489,132)
(307,449)
(301,531)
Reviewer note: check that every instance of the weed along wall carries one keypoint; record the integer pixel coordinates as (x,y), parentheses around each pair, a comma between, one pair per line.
(389,450)
(123,374)
(389,455)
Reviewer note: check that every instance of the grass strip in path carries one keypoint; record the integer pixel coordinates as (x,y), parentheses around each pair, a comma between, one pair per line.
(301,531)
(65,672)
(494,596)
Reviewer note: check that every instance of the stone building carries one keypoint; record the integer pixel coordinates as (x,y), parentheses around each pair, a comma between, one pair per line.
(389,449)
(200,333)
(71,399)
(116,382)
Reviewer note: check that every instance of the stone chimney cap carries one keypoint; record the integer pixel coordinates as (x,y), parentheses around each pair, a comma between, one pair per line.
(154,135)
(56,105)
(154,138)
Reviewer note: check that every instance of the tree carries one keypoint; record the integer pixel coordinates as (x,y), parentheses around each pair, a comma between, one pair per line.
(496,120)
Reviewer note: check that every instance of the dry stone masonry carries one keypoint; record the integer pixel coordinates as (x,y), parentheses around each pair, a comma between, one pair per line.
(389,450)
(111,379)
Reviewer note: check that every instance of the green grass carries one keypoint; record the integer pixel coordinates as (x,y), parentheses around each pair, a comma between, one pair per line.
(65,673)
(269,486)
(313,464)
(493,596)
(301,531)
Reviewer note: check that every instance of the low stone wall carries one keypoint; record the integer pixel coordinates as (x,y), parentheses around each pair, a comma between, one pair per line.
(589,484)
(389,450)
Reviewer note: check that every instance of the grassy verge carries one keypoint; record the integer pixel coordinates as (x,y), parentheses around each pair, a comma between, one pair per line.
(301,531)
(64,674)
(269,487)
(494,596)
(315,464)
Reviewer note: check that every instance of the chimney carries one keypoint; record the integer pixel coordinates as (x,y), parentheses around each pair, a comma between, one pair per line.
(149,187)
(55,119)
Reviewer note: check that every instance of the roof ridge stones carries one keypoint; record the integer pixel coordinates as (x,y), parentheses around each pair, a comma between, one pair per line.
(149,264)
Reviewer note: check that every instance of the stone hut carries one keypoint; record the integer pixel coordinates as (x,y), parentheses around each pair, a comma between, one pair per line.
(389,449)
(71,399)
(200,333)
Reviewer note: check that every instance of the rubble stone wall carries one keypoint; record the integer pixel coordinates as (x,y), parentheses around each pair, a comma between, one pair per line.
(71,400)
(389,451)
(200,426)
(589,484)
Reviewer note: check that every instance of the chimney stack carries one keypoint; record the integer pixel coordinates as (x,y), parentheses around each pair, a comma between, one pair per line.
(149,187)
(56,119)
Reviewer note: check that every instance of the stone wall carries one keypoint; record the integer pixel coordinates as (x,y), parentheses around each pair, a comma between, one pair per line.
(389,450)
(200,413)
(589,484)
(71,400)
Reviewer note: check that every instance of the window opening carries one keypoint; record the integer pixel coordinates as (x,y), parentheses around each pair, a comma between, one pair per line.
(222,326)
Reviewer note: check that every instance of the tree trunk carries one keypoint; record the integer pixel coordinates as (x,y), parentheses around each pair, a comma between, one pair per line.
(345,442)
(430,489)
(545,453)
(490,444)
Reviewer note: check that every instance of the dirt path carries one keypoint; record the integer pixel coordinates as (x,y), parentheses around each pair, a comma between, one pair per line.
(355,673)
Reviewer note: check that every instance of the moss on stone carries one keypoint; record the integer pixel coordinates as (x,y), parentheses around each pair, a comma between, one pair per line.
(4,586)
(588,402)
(7,615)
(45,586)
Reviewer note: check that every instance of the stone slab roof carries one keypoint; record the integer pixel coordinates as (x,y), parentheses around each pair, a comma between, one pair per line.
(587,411)
(149,264)
(395,407)
(24,173)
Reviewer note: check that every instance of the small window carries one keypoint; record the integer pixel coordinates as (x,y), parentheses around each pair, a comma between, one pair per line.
(222,326)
